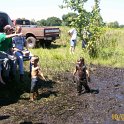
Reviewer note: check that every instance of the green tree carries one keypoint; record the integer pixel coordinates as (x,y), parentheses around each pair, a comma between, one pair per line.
(68,18)
(92,21)
(33,22)
(113,24)
(121,26)
(95,27)
(42,22)
(53,21)
(82,19)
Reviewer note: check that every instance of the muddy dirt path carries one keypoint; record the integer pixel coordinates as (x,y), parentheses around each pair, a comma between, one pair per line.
(59,103)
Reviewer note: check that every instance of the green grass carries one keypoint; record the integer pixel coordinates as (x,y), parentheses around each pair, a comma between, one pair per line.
(58,58)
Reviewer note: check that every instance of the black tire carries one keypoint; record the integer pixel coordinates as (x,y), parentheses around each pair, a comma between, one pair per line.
(31,42)
(47,43)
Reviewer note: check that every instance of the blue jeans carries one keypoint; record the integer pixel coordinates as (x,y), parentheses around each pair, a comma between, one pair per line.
(73,43)
(84,43)
(4,64)
(34,85)
(19,56)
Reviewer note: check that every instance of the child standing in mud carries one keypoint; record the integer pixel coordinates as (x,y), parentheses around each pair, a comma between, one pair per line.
(35,75)
(82,76)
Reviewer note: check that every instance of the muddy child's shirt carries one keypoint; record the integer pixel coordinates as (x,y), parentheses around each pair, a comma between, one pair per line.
(81,72)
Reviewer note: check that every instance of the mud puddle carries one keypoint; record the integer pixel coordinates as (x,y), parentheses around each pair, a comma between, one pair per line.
(59,103)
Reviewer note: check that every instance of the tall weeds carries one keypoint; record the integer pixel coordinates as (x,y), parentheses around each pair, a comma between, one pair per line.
(58,58)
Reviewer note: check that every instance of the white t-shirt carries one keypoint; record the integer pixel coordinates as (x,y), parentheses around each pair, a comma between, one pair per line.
(73,33)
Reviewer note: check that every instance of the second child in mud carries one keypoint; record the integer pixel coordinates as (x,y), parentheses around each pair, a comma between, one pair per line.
(82,76)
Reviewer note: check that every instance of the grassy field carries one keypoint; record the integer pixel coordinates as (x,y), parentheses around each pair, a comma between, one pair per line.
(58,59)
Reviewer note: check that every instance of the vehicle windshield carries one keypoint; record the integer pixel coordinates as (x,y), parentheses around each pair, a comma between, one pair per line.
(22,22)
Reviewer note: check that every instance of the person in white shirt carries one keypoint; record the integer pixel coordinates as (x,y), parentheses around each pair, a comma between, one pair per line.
(73,33)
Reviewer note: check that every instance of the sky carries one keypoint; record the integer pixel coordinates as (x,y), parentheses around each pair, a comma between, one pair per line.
(111,10)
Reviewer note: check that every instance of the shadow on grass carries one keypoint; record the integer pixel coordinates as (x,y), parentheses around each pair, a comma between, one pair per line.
(52,46)
(11,92)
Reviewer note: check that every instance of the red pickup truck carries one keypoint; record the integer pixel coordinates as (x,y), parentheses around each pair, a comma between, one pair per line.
(34,35)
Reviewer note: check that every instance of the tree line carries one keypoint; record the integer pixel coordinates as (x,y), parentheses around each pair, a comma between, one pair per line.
(67,19)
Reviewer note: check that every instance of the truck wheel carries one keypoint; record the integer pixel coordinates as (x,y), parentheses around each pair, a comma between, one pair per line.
(31,42)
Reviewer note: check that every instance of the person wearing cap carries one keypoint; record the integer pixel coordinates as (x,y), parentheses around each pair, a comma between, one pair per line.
(6,49)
